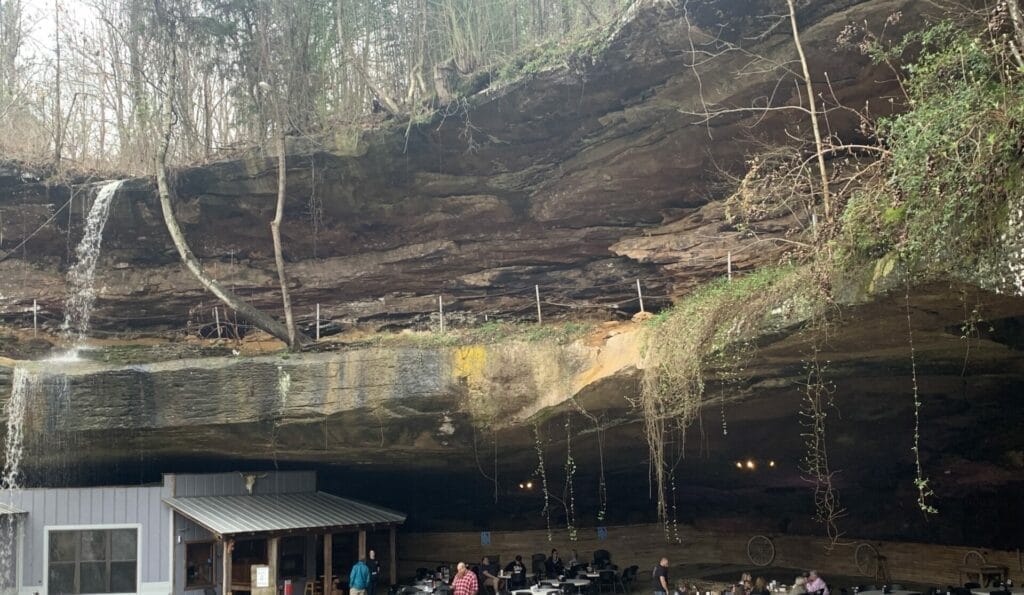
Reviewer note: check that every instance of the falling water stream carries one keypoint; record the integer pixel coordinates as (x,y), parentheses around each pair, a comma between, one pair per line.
(78,309)
(14,446)
(82,275)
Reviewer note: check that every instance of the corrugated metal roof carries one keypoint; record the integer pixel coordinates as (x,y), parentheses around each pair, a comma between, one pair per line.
(10,509)
(226,515)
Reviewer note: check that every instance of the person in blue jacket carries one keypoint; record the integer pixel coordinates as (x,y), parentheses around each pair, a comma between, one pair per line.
(359,577)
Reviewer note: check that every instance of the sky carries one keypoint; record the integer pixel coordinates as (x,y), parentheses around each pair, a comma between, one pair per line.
(40,22)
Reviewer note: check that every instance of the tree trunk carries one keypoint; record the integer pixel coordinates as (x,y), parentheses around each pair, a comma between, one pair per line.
(58,115)
(249,312)
(389,104)
(819,145)
(275,227)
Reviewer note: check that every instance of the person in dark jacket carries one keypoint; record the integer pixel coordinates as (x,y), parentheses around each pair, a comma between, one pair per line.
(554,566)
(374,565)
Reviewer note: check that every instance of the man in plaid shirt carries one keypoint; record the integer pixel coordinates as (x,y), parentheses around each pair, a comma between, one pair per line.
(464,582)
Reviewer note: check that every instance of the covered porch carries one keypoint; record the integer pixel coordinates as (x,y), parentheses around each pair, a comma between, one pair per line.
(310,538)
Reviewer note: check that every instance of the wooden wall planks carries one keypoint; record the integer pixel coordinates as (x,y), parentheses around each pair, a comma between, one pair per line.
(643,545)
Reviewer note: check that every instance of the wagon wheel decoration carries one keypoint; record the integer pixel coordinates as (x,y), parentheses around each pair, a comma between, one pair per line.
(974,559)
(866,559)
(760,550)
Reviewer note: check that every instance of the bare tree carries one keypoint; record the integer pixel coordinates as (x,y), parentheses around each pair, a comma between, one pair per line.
(249,312)
(812,106)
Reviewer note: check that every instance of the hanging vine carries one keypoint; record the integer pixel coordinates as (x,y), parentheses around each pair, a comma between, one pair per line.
(817,400)
(540,472)
(924,492)
(570,474)
(602,484)
(709,331)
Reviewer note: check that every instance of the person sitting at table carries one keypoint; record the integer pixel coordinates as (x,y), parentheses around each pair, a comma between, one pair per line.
(517,569)
(464,582)
(554,566)
(815,584)
(760,586)
(681,588)
(799,586)
(747,582)
(444,572)
(489,575)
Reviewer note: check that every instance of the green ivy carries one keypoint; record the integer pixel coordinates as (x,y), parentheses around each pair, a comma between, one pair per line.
(955,161)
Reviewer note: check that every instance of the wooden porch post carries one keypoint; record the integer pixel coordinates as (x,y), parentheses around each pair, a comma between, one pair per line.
(362,544)
(272,557)
(393,554)
(328,563)
(228,546)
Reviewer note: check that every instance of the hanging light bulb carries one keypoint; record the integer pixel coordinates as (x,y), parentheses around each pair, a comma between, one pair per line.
(739,465)
(771,463)
(529,485)
(750,464)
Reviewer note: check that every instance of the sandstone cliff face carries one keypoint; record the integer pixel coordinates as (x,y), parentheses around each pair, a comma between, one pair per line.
(580,178)
(396,403)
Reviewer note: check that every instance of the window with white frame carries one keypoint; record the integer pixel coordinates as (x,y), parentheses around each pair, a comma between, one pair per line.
(93,561)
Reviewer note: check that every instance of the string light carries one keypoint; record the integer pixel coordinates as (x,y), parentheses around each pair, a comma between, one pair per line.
(751,464)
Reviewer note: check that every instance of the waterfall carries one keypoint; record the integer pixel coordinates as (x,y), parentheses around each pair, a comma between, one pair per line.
(14,443)
(14,446)
(81,291)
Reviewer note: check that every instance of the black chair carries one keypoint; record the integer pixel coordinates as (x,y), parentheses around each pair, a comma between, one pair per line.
(606,578)
(537,568)
(628,578)
(602,558)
